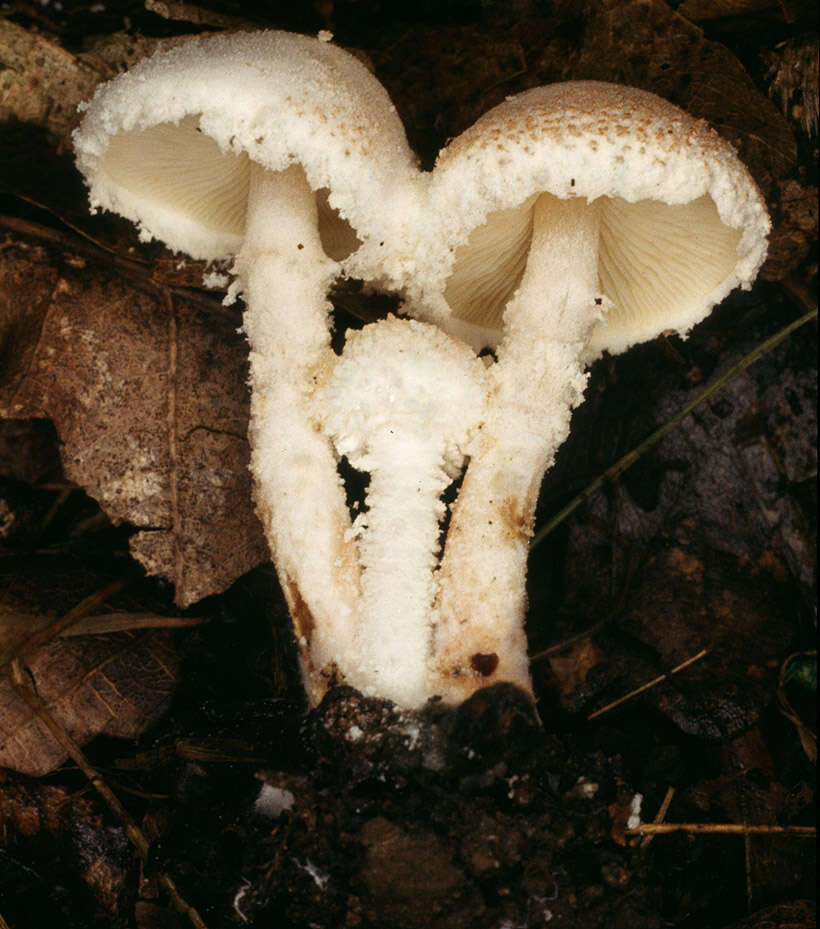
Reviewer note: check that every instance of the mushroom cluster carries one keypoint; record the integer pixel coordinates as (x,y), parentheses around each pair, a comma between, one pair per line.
(570,220)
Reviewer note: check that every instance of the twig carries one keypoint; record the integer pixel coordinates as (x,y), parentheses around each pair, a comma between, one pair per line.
(625,462)
(650,829)
(77,240)
(135,834)
(652,683)
(660,816)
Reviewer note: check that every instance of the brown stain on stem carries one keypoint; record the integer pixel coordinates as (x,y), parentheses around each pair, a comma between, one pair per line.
(484,664)
(300,614)
(518,517)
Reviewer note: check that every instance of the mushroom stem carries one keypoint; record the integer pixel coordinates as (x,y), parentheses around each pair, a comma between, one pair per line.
(402,403)
(285,276)
(398,551)
(536,383)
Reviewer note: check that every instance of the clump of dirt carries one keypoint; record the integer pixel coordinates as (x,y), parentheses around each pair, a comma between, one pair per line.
(445,819)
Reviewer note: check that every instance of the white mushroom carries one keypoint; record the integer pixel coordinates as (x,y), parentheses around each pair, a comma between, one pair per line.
(570,220)
(283,152)
(573,219)
(402,404)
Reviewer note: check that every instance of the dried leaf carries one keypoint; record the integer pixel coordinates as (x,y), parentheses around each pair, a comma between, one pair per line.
(17,628)
(41,83)
(794,71)
(148,395)
(705,539)
(190,13)
(643,43)
(117,684)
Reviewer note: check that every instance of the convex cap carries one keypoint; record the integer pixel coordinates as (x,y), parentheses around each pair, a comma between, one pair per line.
(681,220)
(168,144)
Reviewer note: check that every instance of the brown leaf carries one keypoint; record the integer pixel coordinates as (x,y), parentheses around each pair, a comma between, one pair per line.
(117,684)
(642,43)
(42,83)
(794,210)
(148,395)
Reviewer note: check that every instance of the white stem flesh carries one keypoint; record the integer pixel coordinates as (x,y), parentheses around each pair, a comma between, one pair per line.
(285,276)
(397,549)
(538,379)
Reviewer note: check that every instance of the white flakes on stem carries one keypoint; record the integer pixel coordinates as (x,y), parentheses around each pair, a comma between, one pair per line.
(285,276)
(538,379)
(402,404)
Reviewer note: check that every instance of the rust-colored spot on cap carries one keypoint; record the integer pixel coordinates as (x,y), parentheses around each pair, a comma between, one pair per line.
(484,664)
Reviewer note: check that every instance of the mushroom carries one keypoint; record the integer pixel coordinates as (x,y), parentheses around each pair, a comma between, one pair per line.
(403,403)
(284,153)
(559,226)
(571,219)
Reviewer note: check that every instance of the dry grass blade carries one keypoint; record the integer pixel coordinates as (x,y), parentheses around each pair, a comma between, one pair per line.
(655,681)
(62,623)
(802,832)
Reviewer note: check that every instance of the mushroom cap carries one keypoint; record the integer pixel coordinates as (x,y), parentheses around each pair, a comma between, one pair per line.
(169,143)
(682,222)
(404,383)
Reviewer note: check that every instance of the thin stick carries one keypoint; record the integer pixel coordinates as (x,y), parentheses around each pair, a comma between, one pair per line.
(660,816)
(621,465)
(649,829)
(77,240)
(112,801)
(652,683)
